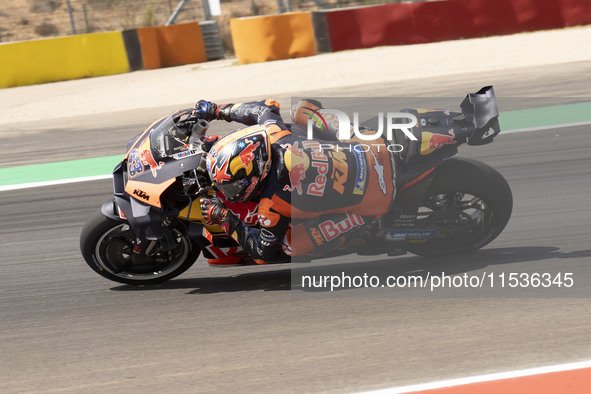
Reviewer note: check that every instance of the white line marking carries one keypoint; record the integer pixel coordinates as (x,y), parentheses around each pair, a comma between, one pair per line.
(56,182)
(97,177)
(556,126)
(482,378)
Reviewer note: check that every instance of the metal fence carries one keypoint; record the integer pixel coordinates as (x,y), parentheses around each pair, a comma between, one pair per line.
(34,19)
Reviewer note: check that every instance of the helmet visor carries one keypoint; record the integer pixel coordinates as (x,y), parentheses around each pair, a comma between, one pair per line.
(233,191)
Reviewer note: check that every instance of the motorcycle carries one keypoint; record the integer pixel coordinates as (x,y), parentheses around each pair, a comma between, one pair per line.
(152,230)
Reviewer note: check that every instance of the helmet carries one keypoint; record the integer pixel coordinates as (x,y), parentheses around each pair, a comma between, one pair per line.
(239,162)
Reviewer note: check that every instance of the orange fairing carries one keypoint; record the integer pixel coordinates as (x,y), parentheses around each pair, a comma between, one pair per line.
(148,193)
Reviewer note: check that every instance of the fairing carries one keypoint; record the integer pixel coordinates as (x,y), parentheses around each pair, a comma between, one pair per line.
(153,162)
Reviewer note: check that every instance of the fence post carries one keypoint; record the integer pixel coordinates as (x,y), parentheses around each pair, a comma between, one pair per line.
(206,10)
(71,16)
(176,13)
(86,17)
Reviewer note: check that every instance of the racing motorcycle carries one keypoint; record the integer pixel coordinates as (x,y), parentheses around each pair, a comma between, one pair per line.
(152,230)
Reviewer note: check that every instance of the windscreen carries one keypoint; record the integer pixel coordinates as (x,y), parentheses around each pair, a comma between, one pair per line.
(168,140)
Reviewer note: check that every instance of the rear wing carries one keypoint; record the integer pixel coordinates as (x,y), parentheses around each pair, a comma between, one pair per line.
(481,109)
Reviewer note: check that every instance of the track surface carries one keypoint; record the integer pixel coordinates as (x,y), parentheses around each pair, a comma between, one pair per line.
(64,328)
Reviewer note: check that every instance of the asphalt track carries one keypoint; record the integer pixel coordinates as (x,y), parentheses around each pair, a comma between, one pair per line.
(64,328)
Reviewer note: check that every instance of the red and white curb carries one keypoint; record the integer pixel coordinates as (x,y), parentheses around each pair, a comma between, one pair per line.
(568,378)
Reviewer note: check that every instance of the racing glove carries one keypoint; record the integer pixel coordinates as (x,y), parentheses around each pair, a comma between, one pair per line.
(208,110)
(208,141)
(202,176)
(214,212)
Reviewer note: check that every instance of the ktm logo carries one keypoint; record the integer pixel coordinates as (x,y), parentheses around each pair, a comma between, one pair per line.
(141,194)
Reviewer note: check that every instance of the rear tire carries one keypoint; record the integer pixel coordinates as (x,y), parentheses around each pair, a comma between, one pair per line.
(474,199)
(107,245)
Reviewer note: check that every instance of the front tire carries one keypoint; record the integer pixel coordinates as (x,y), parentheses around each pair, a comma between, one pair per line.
(471,204)
(107,245)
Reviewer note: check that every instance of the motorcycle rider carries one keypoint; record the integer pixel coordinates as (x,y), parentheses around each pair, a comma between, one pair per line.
(337,187)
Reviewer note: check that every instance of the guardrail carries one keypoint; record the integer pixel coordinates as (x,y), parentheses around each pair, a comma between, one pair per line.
(282,36)
(56,59)
(273,37)
(97,54)
(404,23)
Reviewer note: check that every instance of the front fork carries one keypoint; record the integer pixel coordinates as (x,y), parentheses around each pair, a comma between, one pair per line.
(142,247)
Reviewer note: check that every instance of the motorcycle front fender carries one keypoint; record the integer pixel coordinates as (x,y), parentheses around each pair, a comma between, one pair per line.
(109,209)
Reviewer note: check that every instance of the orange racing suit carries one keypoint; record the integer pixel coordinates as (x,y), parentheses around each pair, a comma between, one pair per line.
(334,186)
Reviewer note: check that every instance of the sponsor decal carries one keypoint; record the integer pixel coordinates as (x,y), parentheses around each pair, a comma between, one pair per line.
(359,186)
(182,155)
(247,153)
(181,147)
(148,160)
(379,168)
(317,187)
(431,142)
(316,236)
(141,194)
(297,170)
(253,183)
(331,230)
(320,162)
(405,221)
(395,235)
(140,159)
(268,236)
(213,154)
(134,164)
(340,170)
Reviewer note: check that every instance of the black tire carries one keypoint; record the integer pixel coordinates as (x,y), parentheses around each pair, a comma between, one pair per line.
(473,194)
(106,246)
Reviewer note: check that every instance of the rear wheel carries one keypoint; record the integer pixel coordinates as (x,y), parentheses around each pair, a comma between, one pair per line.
(469,203)
(107,247)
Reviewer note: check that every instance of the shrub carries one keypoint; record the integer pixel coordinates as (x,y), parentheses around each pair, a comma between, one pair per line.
(46,29)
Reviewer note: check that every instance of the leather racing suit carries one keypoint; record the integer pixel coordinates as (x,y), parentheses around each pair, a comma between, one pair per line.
(334,186)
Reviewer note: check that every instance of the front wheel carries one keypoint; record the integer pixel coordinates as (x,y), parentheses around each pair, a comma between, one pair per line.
(469,203)
(107,247)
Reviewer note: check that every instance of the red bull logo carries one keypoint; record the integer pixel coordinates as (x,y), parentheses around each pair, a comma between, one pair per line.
(431,142)
(148,160)
(247,154)
(297,168)
(331,230)
(137,163)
